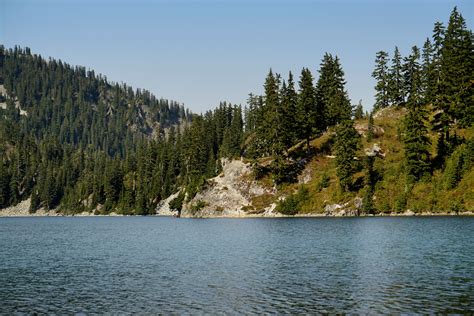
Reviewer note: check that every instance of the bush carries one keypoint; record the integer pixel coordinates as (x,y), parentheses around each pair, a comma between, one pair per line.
(198,206)
(459,162)
(291,205)
(259,171)
(323,183)
(177,202)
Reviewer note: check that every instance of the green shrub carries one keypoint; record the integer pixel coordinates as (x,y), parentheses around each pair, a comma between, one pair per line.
(198,206)
(177,202)
(323,183)
(459,162)
(292,204)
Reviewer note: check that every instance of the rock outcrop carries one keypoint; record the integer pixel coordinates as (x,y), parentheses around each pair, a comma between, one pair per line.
(229,194)
(375,151)
(23,209)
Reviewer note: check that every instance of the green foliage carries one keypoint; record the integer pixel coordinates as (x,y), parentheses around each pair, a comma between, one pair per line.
(345,148)
(91,145)
(291,205)
(332,101)
(177,202)
(359,111)
(381,75)
(396,93)
(323,182)
(416,141)
(460,161)
(370,180)
(370,127)
(306,110)
(199,205)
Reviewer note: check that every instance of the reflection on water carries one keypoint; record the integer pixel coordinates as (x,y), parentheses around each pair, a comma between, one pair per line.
(150,264)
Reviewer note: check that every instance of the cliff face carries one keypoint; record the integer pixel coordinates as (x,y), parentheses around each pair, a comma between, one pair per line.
(232,193)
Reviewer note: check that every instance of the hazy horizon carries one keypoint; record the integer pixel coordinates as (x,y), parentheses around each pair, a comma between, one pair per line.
(203,52)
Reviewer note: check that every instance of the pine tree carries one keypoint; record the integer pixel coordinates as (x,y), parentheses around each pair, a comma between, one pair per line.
(4,186)
(438,38)
(289,106)
(455,89)
(359,111)
(427,71)
(412,78)
(270,116)
(381,75)
(35,201)
(306,108)
(416,141)
(346,146)
(396,89)
(14,185)
(370,127)
(369,182)
(332,101)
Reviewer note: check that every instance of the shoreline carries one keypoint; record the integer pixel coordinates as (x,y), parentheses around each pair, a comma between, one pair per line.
(309,215)
(22,210)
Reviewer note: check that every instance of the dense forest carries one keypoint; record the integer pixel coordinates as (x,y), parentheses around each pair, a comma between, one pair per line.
(71,140)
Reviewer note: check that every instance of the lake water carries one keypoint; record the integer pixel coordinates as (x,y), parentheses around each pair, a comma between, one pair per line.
(153,264)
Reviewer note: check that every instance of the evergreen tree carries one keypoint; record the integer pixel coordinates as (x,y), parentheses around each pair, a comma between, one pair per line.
(359,111)
(381,75)
(289,106)
(438,38)
(4,186)
(396,89)
(306,108)
(370,127)
(455,89)
(346,145)
(271,116)
(427,71)
(331,97)
(416,141)
(369,182)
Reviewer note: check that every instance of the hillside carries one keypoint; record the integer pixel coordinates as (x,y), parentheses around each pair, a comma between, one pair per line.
(79,107)
(317,191)
(72,142)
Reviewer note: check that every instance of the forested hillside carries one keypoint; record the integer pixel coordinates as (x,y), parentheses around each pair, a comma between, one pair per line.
(73,141)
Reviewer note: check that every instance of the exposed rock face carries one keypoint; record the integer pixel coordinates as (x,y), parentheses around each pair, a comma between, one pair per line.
(23,209)
(346,209)
(375,151)
(228,194)
(362,129)
(163,207)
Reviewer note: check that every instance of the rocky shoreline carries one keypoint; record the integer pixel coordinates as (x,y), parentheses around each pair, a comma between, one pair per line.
(22,210)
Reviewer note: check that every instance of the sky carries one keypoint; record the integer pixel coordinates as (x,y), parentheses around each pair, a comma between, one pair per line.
(202,52)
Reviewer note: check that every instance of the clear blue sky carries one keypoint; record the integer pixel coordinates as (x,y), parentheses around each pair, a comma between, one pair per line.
(202,52)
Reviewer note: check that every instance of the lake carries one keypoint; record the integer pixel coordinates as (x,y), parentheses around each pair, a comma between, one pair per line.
(290,265)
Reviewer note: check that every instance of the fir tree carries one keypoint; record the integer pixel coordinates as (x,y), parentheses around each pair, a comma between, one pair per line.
(289,106)
(369,182)
(416,141)
(306,110)
(396,89)
(359,111)
(370,127)
(381,75)
(331,97)
(427,71)
(4,186)
(455,90)
(346,146)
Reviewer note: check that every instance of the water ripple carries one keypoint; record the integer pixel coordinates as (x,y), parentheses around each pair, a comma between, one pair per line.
(191,266)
